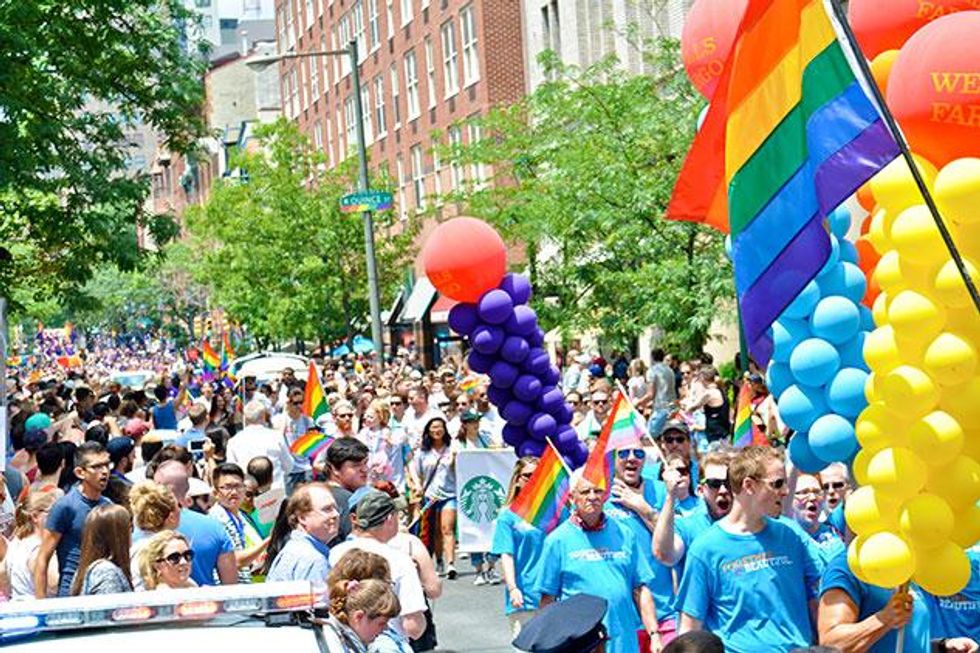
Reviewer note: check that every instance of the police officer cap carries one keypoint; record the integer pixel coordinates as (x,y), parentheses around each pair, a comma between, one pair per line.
(570,626)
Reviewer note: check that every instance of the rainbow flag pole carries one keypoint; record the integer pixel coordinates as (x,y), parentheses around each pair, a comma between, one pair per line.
(314,400)
(743,416)
(541,502)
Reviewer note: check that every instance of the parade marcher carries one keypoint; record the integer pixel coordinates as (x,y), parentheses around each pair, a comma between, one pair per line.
(836,482)
(957,617)
(519,545)
(590,554)
(748,578)
(103,562)
(345,464)
(710,398)
(661,392)
(293,424)
(418,415)
(312,517)
(432,480)
(808,499)
(165,562)
(50,463)
(122,456)
(65,523)
(387,449)
(22,550)
(257,439)
(249,546)
(571,626)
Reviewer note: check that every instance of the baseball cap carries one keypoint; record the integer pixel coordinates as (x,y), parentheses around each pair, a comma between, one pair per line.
(34,439)
(119,448)
(197,488)
(38,421)
(676,425)
(373,508)
(470,416)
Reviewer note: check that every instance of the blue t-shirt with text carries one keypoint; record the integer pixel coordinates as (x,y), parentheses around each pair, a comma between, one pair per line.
(959,615)
(515,537)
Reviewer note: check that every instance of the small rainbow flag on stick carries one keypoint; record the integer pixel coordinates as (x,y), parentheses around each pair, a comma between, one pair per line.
(212,361)
(743,417)
(314,401)
(310,444)
(541,502)
(623,429)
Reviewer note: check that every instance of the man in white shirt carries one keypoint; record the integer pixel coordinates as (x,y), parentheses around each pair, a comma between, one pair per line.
(418,414)
(256,439)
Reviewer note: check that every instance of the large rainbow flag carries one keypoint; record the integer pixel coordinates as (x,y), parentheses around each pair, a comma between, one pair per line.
(542,500)
(310,444)
(212,362)
(227,353)
(790,134)
(314,400)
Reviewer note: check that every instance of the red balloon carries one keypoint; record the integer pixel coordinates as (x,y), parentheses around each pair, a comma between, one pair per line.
(706,40)
(934,88)
(464,258)
(881,25)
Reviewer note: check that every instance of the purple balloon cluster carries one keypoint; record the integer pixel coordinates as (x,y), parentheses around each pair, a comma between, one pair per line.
(507,345)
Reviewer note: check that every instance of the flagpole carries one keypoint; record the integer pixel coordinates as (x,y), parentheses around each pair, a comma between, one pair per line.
(906,154)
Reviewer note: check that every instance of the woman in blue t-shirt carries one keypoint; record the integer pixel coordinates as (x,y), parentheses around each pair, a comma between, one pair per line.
(519,545)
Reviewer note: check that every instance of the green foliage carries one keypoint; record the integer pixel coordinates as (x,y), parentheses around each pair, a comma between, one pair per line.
(583,170)
(73,77)
(278,254)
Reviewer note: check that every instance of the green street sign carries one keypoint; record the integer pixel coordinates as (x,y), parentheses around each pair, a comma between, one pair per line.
(367,200)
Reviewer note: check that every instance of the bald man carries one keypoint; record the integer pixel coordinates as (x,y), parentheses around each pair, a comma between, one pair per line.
(214,553)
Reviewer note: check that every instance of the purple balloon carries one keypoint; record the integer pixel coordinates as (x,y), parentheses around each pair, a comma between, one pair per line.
(522,322)
(578,455)
(499,396)
(552,376)
(495,307)
(541,426)
(530,448)
(551,398)
(514,350)
(535,338)
(487,339)
(537,362)
(563,414)
(503,374)
(517,286)
(527,388)
(517,412)
(463,318)
(514,435)
(565,437)
(480,363)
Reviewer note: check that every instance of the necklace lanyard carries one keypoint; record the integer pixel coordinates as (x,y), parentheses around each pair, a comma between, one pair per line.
(239,525)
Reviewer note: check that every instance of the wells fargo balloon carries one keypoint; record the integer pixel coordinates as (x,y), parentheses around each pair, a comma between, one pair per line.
(463,258)
(934,88)
(707,37)
(881,26)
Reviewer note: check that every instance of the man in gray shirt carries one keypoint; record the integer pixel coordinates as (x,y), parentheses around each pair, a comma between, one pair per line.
(661,392)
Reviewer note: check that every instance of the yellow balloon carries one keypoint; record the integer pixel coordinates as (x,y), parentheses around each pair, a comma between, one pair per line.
(949,285)
(888,272)
(966,528)
(963,401)
(942,571)
(886,559)
(859,466)
(957,190)
(916,316)
(894,187)
(937,438)
(881,350)
(868,511)
(916,237)
(873,387)
(926,520)
(971,443)
(853,557)
(950,359)
(879,309)
(877,427)
(965,321)
(909,391)
(878,232)
(897,473)
(958,482)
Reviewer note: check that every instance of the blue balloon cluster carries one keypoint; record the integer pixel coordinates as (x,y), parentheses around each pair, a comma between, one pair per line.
(817,369)
(507,345)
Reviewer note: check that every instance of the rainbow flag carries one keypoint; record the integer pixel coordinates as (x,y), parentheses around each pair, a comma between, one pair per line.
(743,417)
(314,400)
(212,362)
(426,525)
(626,426)
(542,501)
(469,384)
(789,136)
(310,444)
(227,377)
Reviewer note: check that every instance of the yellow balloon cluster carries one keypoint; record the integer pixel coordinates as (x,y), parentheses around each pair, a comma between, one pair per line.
(916,509)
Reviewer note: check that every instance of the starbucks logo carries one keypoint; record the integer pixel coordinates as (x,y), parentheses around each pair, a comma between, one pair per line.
(481,499)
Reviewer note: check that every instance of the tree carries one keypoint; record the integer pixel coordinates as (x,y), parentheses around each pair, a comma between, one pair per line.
(276,251)
(75,76)
(583,169)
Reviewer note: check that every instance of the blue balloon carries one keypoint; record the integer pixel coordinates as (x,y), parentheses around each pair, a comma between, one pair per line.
(542,425)
(802,455)
(778,378)
(499,396)
(835,319)
(867,318)
(463,318)
(495,307)
(839,221)
(786,334)
(834,259)
(800,406)
(831,438)
(513,434)
(502,374)
(848,252)
(852,352)
(514,350)
(527,388)
(531,448)
(552,376)
(536,337)
(551,398)
(814,362)
(802,306)
(846,280)
(487,339)
(845,392)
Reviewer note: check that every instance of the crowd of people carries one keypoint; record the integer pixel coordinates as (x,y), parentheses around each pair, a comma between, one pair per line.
(188,482)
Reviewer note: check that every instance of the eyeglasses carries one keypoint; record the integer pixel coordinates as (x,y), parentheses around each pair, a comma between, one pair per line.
(774,483)
(623,454)
(834,485)
(298,404)
(97,466)
(345,415)
(525,476)
(681,470)
(808,492)
(715,483)
(600,402)
(395,403)
(175,557)
(235,487)
(445,404)
(674,439)
(573,403)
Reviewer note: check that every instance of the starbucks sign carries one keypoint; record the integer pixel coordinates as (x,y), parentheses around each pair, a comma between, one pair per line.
(482,478)
(481,499)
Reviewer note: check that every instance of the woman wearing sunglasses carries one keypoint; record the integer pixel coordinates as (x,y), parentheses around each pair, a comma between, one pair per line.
(165,562)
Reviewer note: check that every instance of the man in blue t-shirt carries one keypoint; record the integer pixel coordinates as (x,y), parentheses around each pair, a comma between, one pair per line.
(958,616)
(63,529)
(747,577)
(591,554)
(214,552)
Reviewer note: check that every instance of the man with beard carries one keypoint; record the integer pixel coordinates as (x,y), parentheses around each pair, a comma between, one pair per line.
(749,578)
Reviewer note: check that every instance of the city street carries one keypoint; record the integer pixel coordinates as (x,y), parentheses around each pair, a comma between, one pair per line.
(471,619)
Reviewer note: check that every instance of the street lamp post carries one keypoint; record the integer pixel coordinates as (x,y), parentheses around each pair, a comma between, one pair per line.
(260,63)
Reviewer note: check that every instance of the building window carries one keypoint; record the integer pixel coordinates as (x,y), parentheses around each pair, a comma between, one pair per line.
(471,60)
(412,85)
(202,4)
(304,97)
(341,145)
(293,94)
(281,22)
(456,144)
(330,154)
(344,36)
(350,124)
(449,57)
(379,105)
(315,77)
(374,25)
(308,14)
(436,171)
(290,34)
(476,169)
(366,112)
(338,62)
(402,201)
(418,177)
(430,72)
(390,17)
(357,20)
(318,136)
(394,97)
(406,7)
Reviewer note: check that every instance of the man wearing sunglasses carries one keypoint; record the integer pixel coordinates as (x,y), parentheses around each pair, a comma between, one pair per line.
(590,427)
(674,440)
(293,425)
(751,579)
(836,483)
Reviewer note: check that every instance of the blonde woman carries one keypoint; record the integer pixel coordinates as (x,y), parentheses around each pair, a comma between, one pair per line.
(155,509)
(22,549)
(165,562)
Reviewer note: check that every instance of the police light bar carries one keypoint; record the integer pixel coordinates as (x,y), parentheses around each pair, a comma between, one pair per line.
(23,618)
